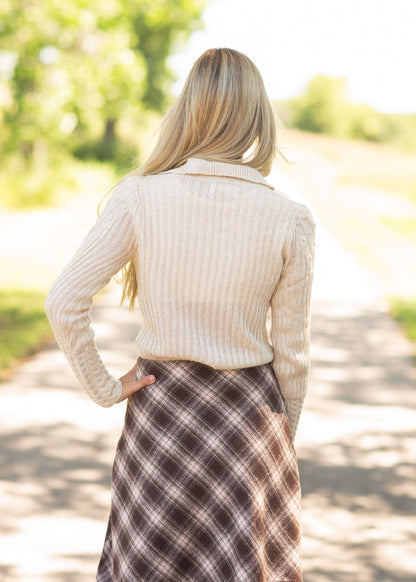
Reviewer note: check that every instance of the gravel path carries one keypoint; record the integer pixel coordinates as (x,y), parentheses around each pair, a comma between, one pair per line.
(355,442)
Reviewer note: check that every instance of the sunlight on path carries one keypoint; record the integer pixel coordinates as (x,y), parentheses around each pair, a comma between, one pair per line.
(337,277)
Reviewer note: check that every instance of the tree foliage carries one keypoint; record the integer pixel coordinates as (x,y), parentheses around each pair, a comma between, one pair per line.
(74,69)
(325,107)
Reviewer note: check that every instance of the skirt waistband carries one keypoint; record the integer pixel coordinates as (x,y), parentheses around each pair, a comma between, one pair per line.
(256,383)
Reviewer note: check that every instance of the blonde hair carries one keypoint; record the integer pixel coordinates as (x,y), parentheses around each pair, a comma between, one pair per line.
(222,114)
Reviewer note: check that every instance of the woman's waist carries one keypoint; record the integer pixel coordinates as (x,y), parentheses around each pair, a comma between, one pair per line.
(225,353)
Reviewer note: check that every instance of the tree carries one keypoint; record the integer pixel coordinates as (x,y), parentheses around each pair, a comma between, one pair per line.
(74,68)
(323,107)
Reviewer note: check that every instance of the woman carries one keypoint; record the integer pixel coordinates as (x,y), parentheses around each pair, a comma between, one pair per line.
(205,484)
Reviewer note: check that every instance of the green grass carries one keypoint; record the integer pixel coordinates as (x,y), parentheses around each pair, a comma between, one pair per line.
(404,311)
(23,324)
(29,187)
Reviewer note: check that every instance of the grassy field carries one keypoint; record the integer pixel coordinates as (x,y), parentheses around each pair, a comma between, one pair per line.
(23,324)
(36,242)
(36,187)
(405,312)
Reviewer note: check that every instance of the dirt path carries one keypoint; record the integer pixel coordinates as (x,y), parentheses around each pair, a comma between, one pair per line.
(355,442)
(358,216)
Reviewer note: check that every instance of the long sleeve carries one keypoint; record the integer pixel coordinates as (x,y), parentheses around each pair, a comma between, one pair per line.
(107,247)
(291,315)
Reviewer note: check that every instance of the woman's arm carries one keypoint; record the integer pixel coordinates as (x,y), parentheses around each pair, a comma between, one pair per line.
(291,316)
(107,247)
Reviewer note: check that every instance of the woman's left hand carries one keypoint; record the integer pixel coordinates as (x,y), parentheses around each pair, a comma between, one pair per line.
(131,385)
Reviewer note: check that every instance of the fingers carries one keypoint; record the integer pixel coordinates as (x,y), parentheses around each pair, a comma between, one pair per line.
(144,381)
(132,386)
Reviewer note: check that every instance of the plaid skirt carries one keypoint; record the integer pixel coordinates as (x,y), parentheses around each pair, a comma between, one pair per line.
(205,483)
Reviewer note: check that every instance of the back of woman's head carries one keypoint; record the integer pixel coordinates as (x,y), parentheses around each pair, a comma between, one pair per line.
(221,114)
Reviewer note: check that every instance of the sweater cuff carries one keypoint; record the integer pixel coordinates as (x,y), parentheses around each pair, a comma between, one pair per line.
(294,408)
(111,397)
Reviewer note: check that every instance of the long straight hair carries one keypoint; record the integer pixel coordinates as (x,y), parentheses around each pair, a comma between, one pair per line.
(223,114)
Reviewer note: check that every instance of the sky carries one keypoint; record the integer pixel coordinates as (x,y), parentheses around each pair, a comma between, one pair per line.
(372,43)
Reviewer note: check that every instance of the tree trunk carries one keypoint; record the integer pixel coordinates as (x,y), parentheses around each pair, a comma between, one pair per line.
(110,130)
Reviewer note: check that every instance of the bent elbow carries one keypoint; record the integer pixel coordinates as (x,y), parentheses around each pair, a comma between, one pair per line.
(55,310)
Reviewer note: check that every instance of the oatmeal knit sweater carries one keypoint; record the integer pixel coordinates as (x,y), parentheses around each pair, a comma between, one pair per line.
(215,247)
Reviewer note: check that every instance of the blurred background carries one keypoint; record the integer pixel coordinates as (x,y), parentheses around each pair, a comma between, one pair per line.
(83,88)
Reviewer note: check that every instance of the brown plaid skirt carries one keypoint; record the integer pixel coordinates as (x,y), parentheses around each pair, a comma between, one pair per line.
(205,483)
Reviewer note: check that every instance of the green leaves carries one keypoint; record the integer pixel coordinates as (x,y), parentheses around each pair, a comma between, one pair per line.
(82,65)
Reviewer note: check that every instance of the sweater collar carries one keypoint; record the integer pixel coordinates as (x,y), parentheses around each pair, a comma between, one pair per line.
(198,166)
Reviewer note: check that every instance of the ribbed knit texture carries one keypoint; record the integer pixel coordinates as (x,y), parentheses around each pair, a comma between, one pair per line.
(215,246)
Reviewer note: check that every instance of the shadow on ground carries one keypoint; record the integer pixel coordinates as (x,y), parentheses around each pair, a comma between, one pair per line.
(355,447)
(61,468)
